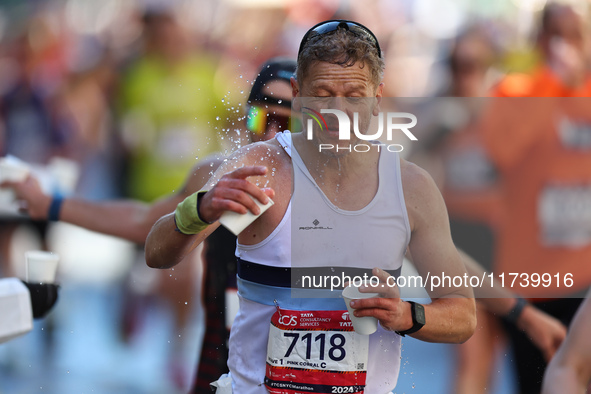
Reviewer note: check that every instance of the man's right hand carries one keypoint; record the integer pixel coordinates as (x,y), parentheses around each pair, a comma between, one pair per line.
(233,193)
(32,199)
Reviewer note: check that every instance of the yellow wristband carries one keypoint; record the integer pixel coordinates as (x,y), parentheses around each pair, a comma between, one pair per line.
(186,215)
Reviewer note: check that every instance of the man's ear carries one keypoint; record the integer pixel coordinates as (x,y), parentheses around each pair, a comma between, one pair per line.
(379,93)
(295,87)
(295,93)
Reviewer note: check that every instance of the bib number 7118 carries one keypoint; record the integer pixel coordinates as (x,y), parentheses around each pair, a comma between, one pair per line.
(336,351)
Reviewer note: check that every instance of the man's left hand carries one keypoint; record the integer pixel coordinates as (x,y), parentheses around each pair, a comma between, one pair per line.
(392,313)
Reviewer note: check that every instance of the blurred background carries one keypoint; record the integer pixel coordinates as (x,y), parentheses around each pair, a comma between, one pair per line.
(135,92)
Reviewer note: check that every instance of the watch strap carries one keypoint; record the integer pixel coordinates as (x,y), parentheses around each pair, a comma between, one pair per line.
(416,325)
(515,312)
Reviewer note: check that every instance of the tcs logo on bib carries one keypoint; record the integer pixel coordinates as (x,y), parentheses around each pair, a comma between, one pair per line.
(288,320)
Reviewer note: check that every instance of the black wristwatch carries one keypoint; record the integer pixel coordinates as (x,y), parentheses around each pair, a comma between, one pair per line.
(515,312)
(418,319)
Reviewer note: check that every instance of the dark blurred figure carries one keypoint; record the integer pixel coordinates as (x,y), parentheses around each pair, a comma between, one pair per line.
(268,112)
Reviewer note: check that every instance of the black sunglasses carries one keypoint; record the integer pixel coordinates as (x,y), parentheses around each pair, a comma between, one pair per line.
(333,25)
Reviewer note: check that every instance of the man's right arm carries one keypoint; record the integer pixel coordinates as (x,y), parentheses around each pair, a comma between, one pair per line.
(167,244)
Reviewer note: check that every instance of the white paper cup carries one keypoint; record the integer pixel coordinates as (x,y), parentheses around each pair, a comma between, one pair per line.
(41,266)
(12,170)
(362,325)
(236,222)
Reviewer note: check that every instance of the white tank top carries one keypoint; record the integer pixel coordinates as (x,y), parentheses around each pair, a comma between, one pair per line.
(376,235)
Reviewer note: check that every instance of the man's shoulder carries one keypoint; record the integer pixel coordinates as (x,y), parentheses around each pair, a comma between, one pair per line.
(414,178)
(261,153)
(423,199)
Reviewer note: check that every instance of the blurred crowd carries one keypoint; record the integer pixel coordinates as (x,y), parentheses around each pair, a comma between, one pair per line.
(136,92)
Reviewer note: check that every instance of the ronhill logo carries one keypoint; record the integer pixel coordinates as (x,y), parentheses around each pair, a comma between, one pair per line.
(316,226)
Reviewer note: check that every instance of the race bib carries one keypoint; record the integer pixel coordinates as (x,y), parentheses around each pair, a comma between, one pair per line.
(564,214)
(315,352)
(574,134)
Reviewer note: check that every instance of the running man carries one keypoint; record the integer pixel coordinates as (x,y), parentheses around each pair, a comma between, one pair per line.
(338,61)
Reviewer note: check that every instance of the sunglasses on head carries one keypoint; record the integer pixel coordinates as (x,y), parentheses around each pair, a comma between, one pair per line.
(329,26)
(259,118)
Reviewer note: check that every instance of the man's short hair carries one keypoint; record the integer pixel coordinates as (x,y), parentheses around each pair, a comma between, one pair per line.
(340,47)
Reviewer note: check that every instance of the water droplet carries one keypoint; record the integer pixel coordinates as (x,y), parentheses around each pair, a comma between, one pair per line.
(279,101)
(217,118)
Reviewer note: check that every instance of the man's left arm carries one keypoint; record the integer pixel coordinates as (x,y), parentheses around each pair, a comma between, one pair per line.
(451,316)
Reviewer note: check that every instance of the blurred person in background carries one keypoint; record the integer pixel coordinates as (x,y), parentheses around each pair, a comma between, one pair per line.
(569,372)
(268,112)
(541,147)
(170,115)
(32,127)
(563,47)
(168,106)
(86,97)
(468,181)
(454,154)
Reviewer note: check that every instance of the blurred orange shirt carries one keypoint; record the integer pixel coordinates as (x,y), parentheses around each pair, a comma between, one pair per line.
(541,83)
(542,148)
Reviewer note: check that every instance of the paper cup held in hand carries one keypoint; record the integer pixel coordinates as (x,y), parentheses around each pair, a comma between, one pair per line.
(11,170)
(236,222)
(363,325)
(41,266)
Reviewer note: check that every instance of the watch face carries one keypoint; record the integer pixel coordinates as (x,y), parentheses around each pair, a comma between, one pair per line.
(420,314)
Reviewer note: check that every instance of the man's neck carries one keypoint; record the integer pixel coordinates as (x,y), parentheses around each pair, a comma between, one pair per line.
(340,175)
